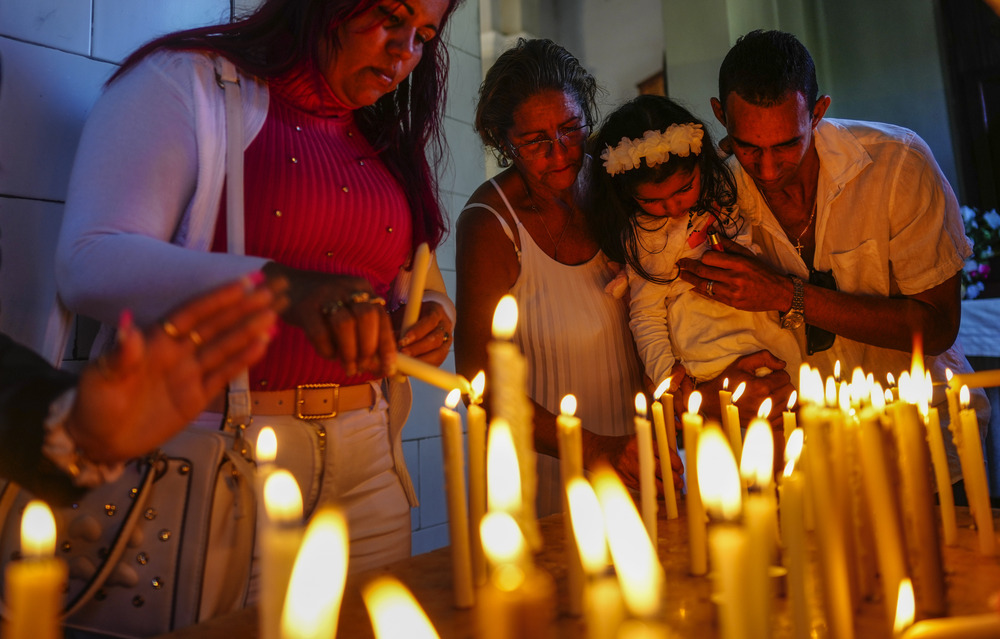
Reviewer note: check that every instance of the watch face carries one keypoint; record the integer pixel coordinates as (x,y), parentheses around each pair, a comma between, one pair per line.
(791,320)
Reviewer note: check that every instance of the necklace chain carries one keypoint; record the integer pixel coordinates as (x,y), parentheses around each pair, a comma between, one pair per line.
(555,242)
(798,240)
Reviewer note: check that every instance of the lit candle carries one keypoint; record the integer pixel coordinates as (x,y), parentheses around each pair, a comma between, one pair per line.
(918,499)
(983,626)
(316,590)
(975,475)
(418,280)
(647,470)
(604,609)
(665,443)
(882,504)
(477,474)
(728,543)
(955,426)
(281,537)
(503,478)
(692,423)
(458,514)
(788,417)
(570,467)
(266,449)
(760,518)
(725,401)
(518,600)
(732,422)
(406,365)
(33,585)
(508,400)
(394,610)
(793,536)
(942,476)
(906,608)
(639,571)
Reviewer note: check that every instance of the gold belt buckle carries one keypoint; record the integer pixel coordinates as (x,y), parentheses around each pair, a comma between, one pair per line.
(300,400)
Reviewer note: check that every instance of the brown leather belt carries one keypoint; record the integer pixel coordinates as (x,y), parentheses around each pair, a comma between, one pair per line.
(313,401)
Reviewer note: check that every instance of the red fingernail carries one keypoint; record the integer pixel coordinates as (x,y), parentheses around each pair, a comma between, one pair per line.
(257,278)
(125,320)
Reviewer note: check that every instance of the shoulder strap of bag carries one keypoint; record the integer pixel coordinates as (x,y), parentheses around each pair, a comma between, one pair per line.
(238,405)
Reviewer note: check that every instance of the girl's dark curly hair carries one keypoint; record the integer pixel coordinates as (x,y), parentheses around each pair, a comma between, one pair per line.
(611,206)
(402,125)
(528,68)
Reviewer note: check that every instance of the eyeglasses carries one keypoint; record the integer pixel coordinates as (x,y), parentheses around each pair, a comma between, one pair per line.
(541,148)
(818,339)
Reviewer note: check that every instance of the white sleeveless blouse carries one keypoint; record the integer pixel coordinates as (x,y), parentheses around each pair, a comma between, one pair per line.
(576,339)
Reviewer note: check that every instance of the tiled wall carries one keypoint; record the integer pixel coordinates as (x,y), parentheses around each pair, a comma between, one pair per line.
(55,58)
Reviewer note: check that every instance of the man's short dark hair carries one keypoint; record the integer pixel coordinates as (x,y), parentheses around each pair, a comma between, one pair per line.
(764,66)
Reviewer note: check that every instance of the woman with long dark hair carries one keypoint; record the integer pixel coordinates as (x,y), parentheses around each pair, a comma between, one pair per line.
(341,102)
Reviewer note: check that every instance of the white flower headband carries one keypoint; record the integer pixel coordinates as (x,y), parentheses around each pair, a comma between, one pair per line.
(656,147)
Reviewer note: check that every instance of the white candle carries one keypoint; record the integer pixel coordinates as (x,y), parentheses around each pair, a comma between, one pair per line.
(647,470)
(665,444)
(394,610)
(639,571)
(503,478)
(793,535)
(732,422)
(725,401)
(942,476)
(432,375)
(477,475)
(508,400)
(728,542)
(570,467)
(458,514)
(760,521)
(604,609)
(418,280)
(518,600)
(281,537)
(312,605)
(975,476)
(692,424)
(33,585)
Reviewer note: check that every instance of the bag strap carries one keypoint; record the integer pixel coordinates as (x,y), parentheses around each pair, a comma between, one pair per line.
(238,404)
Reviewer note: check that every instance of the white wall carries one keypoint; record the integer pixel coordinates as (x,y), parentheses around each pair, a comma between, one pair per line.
(56,55)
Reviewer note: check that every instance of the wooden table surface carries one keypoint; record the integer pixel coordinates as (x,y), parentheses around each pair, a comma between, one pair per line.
(972,579)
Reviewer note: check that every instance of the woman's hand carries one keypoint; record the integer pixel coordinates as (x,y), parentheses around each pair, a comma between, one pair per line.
(342,317)
(621,452)
(429,339)
(152,384)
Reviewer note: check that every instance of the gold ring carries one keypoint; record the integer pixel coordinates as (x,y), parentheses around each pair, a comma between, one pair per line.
(447,336)
(377,300)
(170,329)
(359,297)
(196,337)
(331,307)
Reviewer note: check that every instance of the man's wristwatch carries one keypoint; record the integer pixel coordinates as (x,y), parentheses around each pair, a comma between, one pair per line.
(793,318)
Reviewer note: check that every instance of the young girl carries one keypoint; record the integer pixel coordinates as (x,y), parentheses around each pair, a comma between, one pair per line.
(662,193)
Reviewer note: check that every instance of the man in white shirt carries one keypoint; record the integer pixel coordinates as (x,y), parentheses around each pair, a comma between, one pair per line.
(861,234)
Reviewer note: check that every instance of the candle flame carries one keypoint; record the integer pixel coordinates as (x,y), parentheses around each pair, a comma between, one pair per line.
(948,374)
(738,392)
(805,374)
(888,396)
(765,408)
(718,479)
(725,384)
(568,405)
(844,397)
(639,571)
(964,396)
(640,405)
(316,588)
(38,530)
(891,381)
(905,607)
(793,450)
(503,471)
(757,463)
(394,610)
(792,399)
(267,446)
(454,396)
(505,318)
(836,370)
(505,549)
(478,385)
(662,388)
(282,498)
(859,389)
(588,525)
(905,388)
(831,392)
(694,402)
(878,397)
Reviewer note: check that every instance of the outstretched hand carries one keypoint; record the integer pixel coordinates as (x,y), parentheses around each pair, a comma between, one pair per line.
(776,384)
(153,383)
(429,338)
